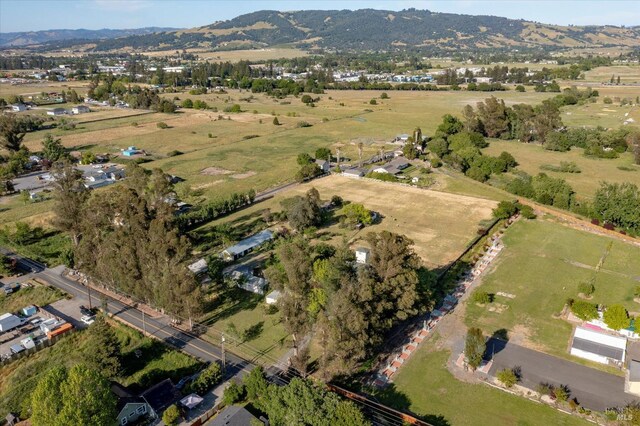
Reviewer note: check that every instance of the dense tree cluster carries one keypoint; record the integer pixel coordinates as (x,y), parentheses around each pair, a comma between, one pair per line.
(78,396)
(352,307)
(543,189)
(596,142)
(460,149)
(618,204)
(128,240)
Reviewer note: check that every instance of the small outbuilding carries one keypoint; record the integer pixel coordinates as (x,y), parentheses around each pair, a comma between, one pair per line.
(324,165)
(362,255)
(57,111)
(353,172)
(272,298)
(29,310)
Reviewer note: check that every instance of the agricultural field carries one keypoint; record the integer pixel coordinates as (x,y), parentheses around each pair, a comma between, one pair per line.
(238,55)
(627,73)
(425,387)
(531,157)
(36,88)
(541,267)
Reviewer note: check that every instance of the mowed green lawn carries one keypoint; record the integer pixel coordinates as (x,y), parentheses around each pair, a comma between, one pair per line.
(425,387)
(593,170)
(542,265)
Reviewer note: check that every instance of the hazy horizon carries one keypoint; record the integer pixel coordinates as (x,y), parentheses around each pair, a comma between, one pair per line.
(39,15)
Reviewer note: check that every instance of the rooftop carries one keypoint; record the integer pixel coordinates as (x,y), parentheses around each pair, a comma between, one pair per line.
(233,415)
(251,242)
(161,395)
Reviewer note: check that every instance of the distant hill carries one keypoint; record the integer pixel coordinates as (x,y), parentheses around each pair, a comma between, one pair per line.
(20,39)
(369,29)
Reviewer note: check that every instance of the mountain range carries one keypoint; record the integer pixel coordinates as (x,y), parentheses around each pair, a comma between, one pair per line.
(27,38)
(365,29)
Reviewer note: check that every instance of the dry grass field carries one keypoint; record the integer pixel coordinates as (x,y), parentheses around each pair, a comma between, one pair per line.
(627,73)
(36,88)
(440,224)
(593,170)
(237,55)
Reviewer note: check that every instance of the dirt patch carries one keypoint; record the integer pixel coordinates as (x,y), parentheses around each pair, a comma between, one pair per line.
(244,175)
(521,335)
(498,308)
(215,171)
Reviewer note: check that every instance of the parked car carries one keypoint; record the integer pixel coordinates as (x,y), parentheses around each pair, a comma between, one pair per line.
(88,319)
(85,311)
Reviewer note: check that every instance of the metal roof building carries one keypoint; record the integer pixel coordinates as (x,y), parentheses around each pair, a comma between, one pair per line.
(247,245)
(597,346)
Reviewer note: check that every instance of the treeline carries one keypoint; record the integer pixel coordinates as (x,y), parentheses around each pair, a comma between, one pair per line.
(112,90)
(127,239)
(214,209)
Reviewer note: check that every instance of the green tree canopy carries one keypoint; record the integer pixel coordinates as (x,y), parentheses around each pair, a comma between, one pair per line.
(616,317)
(474,347)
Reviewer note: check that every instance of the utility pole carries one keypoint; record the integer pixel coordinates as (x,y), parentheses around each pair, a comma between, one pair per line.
(85,281)
(224,363)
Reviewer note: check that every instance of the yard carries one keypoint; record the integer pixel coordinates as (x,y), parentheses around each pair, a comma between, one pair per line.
(35,294)
(540,268)
(154,363)
(425,387)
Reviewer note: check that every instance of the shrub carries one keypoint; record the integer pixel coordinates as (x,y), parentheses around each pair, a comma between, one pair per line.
(174,153)
(233,108)
(187,103)
(303,124)
(171,415)
(384,95)
(481,297)
(507,377)
(561,393)
(595,222)
(520,88)
(134,124)
(373,102)
(607,100)
(584,310)
(586,288)
(276,122)
(544,389)
(162,125)
(435,163)
(616,317)
(609,226)
(505,210)
(527,212)
(208,378)
(233,393)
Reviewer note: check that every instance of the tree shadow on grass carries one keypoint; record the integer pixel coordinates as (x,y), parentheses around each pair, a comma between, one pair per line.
(398,400)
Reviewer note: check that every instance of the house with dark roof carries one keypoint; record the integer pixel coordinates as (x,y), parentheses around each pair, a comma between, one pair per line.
(324,165)
(233,415)
(393,167)
(160,396)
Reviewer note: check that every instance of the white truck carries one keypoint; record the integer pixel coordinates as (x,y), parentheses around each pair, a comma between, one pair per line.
(9,322)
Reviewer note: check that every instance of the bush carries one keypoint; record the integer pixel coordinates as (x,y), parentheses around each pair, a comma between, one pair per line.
(303,124)
(505,210)
(607,100)
(384,95)
(162,125)
(616,317)
(586,288)
(520,88)
(275,121)
(561,393)
(174,153)
(187,103)
(507,377)
(373,102)
(584,310)
(208,378)
(527,212)
(233,108)
(233,393)
(435,163)
(171,415)
(481,297)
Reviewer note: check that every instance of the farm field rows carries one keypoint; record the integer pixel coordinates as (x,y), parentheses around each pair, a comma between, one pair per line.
(542,265)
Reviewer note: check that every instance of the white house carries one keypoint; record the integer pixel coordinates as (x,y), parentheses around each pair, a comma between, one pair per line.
(80,109)
(323,164)
(362,255)
(18,107)
(57,111)
(599,347)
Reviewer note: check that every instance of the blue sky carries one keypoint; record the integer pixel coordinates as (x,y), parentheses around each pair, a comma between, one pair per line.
(30,15)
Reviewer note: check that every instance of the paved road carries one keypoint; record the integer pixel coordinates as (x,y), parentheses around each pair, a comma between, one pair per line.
(184,341)
(594,389)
